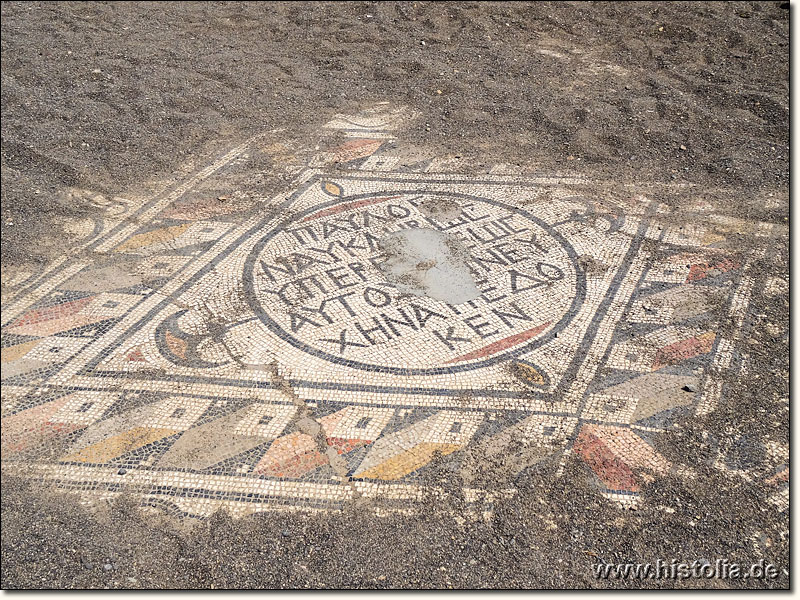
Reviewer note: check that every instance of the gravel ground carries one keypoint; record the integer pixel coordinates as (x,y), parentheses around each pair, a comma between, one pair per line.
(117,97)
(107,96)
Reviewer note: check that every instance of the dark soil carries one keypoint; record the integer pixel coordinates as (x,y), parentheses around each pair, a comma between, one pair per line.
(548,536)
(112,96)
(120,97)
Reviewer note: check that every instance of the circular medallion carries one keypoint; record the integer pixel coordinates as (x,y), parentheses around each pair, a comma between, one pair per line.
(414,282)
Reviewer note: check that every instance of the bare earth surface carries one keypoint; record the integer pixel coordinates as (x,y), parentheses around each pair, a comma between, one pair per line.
(393,295)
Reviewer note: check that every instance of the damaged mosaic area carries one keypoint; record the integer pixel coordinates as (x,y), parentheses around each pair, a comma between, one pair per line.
(214,348)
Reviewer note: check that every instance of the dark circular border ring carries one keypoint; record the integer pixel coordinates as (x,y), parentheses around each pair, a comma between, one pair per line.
(255,305)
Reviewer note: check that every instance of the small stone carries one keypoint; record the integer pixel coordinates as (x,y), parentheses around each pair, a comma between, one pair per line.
(683,147)
(285,533)
(122,471)
(689,388)
(108,567)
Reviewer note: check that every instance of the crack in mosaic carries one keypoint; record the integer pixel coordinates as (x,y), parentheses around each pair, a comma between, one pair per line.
(302,352)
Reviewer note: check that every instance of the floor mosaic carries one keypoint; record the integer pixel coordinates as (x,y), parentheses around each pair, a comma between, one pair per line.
(334,341)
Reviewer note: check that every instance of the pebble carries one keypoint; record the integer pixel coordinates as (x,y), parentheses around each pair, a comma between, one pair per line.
(108,567)
(122,471)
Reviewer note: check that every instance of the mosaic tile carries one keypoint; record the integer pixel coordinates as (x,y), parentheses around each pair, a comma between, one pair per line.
(228,350)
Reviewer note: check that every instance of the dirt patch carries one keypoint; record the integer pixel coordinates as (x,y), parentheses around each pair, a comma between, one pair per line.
(117,98)
(106,101)
(441,209)
(546,536)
